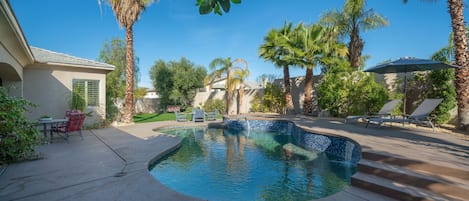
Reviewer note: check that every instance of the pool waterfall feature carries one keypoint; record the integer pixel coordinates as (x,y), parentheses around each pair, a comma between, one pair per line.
(338,146)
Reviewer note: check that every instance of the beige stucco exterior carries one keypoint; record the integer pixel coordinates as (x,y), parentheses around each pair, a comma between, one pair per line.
(50,87)
(45,79)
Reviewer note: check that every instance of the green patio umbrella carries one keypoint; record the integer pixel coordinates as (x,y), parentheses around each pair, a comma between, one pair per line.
(408,64)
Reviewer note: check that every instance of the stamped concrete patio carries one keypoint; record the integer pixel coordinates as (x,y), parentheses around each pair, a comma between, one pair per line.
(112,163)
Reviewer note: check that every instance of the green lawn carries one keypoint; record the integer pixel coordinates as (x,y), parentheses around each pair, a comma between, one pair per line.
(152,117)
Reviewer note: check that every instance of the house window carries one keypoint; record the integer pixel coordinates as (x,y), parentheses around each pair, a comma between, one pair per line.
(88,90)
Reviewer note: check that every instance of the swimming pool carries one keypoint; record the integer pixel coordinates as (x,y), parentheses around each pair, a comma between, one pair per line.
(253,164)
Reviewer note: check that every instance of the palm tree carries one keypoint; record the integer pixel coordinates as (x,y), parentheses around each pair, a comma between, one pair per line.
(314,45)
(237,82)
(276,48)
(225,66)
(456,11)
(353,18)
(127,13)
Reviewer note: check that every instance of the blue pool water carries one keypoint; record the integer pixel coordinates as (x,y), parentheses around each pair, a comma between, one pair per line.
(223,164)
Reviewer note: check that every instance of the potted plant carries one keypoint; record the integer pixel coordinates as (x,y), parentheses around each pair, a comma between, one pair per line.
(45,118)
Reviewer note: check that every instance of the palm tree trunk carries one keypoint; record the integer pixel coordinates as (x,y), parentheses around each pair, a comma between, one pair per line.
(287,85)
(308,102)
(456,10)
(240,97)
(355,48)
(228,90)
(129,77)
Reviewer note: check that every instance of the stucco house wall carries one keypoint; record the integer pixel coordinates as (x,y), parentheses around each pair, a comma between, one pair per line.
(50,87)
(45,77)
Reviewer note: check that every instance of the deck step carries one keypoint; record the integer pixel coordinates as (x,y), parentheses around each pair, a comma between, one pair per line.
(394,189)
(418,166)
(429,182)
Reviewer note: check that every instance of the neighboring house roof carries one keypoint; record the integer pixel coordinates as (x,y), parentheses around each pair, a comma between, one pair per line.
(151,90)
(251,85)
(55,58)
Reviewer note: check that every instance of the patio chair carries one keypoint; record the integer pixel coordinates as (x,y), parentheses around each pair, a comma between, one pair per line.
(198,115)
(68,112)
(386,110)
(419,116)
(180,116)
(212,115)
(74,123)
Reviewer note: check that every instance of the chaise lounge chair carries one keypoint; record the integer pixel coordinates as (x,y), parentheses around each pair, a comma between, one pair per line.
(212,115)
(386,110)
(419,116)
(198,115)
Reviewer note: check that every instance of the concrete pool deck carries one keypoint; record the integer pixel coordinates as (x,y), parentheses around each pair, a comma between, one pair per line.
(111,163)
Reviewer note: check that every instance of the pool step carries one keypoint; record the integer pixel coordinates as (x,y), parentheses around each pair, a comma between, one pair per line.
(405,179)
(418,165)
(392,189)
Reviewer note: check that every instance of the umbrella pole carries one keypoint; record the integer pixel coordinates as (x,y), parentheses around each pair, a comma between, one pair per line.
(405,92)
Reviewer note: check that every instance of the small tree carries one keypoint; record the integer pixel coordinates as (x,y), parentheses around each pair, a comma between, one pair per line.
(177,81)
(18,135)
(162,78)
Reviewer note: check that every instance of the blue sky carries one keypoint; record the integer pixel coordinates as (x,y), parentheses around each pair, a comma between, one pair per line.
(170,29)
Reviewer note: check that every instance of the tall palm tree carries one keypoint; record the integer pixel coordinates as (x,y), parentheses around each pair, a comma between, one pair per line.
(353,18)
(220,67)
(315,44)
(127,13)
(237,82)
(276,48)
(456,11)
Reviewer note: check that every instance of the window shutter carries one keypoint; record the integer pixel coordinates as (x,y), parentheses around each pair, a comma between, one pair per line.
(86,90)
(93,92)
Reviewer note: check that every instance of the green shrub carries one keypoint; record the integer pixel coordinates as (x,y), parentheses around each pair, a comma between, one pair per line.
(256,103)
(18,135)
(273,100)
(442,87)
(111,110)
(344,92)
(211,104)
(436,84)
(188,109)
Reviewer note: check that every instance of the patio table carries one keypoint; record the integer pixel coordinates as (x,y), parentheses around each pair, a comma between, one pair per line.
(51,122)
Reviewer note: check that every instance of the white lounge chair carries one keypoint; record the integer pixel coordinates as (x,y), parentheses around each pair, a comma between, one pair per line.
(386,110)
(419,116)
